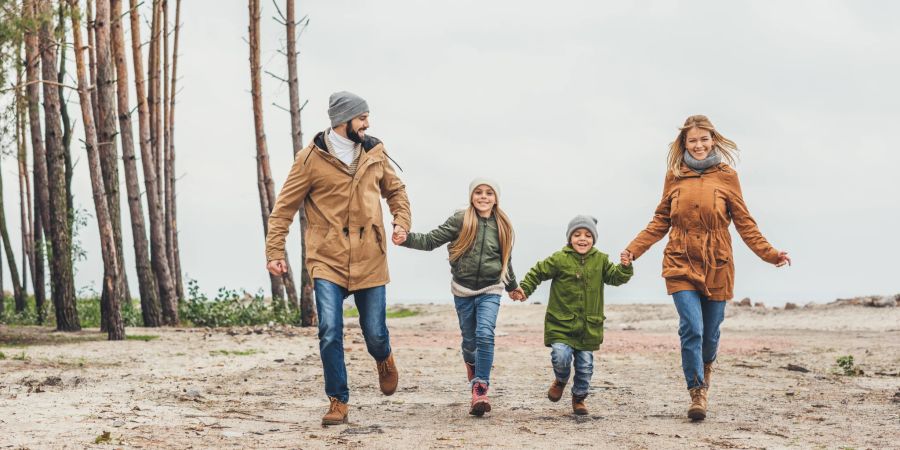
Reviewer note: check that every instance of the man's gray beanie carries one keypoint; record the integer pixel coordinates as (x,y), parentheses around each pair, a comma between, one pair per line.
(343,106)
(587,222)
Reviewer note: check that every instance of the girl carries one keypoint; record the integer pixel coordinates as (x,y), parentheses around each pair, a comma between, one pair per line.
(481,241)
(701,196)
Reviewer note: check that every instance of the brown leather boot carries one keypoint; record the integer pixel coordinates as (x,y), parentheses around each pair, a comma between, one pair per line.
(697,411)
(707,372)
(387,375)
(578,406)
(556,390)
(337,413)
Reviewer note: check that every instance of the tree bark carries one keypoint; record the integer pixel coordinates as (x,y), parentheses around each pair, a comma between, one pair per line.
(307,306)
(150,308)
(158,259)
(39,157)
(64,110)
(263,173)
(63,282)
(106,141)
(171,209)
(116,330)
(18,295)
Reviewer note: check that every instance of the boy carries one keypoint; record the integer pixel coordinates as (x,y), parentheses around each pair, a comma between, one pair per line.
(573,325)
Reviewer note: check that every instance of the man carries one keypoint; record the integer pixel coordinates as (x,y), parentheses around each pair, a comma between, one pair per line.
(340,179)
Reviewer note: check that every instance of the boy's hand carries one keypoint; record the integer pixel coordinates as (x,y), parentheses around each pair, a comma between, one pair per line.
(625,258)
(518,294)
(399,235)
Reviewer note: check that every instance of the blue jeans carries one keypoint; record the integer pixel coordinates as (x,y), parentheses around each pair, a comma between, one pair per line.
(561,356)
(477,319)
(329,304)
(699,332)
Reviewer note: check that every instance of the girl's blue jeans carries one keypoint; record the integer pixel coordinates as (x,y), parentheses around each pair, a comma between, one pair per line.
(477,319)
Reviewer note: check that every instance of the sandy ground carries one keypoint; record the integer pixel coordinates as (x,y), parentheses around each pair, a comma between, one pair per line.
(196,388)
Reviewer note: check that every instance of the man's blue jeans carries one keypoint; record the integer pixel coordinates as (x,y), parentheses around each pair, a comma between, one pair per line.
(561,356)
(477,319)
(699,332)
(329,304)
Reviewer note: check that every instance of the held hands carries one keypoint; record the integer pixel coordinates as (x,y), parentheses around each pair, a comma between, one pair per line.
(626,257)
(399,235)
(783,259)
(518,295)
(277,267)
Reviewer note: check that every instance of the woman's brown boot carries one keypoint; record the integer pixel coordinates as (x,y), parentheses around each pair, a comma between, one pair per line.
(697,411)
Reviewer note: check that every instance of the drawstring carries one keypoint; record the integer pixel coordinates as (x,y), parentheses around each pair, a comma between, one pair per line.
(392,160)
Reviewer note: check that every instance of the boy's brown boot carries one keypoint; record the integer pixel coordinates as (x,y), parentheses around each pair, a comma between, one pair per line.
(707,372)
(556,390)
(578,406)
(697,410)
(337,413)
(470,371)
(387,375)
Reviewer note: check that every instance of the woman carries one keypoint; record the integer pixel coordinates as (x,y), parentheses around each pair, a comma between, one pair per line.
(701,197)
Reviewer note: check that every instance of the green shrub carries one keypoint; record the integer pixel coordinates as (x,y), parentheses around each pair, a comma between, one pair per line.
(230,308)
(845,363)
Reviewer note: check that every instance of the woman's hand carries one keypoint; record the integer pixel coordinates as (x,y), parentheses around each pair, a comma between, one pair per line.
(625,258)
(783,259)
(277,267)
(399,235)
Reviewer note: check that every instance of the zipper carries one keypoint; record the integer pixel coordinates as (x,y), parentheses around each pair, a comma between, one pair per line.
(585,296)
(483,222)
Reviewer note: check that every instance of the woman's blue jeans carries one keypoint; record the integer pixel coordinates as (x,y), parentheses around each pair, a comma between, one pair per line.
(698,329)
(330,306)
(477,319)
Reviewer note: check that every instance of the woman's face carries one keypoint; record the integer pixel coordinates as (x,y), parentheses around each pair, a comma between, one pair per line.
(483,199)
(699,143)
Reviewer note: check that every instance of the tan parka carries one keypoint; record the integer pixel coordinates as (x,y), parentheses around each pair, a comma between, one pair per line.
(346,241)
(696,210)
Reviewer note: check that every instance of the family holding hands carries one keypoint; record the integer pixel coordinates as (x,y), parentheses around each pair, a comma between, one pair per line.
(341,177)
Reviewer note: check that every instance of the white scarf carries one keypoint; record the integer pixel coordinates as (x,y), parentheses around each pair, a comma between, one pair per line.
(343,147)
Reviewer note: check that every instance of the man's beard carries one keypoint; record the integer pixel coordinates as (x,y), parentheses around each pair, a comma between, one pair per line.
(351,134)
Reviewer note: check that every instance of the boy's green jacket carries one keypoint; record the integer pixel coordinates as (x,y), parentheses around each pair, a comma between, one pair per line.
(479,267)
(575,311)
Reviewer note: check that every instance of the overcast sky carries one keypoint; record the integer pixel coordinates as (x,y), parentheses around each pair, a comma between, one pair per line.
(570,106)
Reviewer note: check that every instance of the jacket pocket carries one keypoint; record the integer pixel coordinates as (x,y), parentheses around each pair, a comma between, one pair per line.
(320,240)
(380,238)
(594,333)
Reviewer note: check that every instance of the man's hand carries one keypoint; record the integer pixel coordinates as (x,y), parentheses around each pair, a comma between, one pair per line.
(399,235)
(277,267)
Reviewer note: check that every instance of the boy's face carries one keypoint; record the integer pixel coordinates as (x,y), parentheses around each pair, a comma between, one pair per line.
(582,241)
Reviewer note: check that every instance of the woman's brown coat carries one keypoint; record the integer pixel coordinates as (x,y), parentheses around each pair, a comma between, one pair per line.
(698,208)
(346,241)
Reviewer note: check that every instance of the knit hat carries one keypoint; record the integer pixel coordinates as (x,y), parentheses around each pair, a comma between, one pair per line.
(479,181)
(343,106)
(587,222)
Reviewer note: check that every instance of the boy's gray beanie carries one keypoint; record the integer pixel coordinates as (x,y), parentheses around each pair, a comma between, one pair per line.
(587,222)
(343,106)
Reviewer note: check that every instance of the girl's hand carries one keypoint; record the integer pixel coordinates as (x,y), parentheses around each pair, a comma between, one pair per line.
(518,294)
(399,235)
(783,259)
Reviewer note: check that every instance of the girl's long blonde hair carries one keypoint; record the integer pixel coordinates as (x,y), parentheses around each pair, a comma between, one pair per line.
(469,229)
(726,147)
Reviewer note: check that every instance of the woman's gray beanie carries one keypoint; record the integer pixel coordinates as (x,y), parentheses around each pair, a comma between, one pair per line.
(343,106)
(587,222)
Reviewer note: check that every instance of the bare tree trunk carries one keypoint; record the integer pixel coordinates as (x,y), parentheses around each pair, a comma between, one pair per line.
(171,210)
(41,193)
(307,305)
(18,294)
(107,242)
(106,144)
(154,76)
(25,197)
(150,308)
(64,110)
(63,282)
(167,295)
(262,153)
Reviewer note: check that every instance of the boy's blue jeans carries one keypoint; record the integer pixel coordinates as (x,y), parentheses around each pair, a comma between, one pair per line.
(562,355)
(477,319)
(699,332)
(329,304)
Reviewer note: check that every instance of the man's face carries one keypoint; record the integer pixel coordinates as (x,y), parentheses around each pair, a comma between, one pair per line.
(357,126)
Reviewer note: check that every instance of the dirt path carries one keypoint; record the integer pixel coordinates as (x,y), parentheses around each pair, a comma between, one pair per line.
(214,389)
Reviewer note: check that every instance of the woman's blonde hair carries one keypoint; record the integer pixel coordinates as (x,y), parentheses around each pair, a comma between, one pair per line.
(469,229)
(726,147)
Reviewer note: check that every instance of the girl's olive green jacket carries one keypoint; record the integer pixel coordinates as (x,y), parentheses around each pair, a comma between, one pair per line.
(575,311)
(479,267)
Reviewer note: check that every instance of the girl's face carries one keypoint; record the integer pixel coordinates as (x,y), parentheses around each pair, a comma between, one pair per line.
(699,143)
(484,199)
(582,241)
